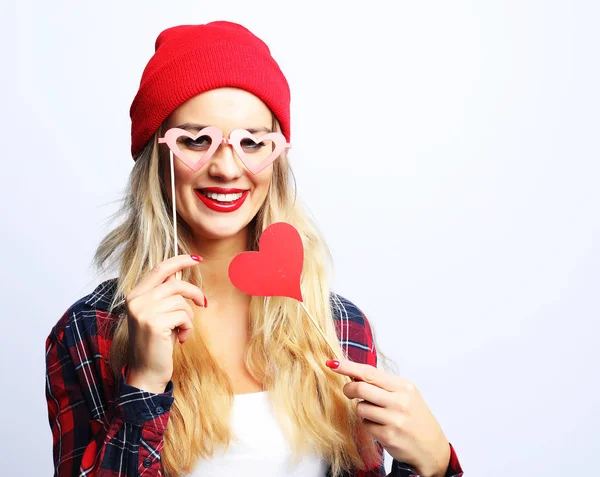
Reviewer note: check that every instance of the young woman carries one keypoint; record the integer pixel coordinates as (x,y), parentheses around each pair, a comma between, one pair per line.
(157,374)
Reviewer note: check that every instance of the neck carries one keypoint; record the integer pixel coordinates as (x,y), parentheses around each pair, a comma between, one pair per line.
(217,255)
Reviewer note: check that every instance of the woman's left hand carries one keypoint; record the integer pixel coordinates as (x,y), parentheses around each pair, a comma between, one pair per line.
(395,414)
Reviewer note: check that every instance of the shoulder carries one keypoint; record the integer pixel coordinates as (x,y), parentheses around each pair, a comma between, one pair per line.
(353,329)
(87,324)
(77,353)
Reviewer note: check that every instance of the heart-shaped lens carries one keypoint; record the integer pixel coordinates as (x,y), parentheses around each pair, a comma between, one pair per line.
(257,152)
(194,150)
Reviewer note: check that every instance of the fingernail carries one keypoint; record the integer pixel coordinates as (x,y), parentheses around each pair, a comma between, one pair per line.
(205,302)
(196,257)
(333,363)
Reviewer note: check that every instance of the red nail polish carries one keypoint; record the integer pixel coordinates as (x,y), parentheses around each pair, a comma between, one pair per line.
(196,257)
(333,363)
(205,302)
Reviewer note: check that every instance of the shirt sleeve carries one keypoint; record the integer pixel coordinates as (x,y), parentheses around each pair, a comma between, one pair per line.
(454,469)
(92,437)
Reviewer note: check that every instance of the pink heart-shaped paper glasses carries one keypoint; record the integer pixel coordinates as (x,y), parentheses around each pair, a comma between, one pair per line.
(196,161)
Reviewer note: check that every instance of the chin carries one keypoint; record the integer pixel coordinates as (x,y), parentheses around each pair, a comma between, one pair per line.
(219,229)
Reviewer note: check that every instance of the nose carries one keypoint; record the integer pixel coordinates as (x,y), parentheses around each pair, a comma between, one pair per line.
(224,164)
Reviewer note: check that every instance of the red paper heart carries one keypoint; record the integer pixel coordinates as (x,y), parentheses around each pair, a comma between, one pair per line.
(275,269)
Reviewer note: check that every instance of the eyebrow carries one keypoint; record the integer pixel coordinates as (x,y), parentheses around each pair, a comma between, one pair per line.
(198,127)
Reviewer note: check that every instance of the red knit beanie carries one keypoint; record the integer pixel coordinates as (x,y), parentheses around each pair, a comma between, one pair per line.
(191,59)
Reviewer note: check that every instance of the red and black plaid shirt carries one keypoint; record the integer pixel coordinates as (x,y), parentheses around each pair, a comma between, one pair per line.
(104,430)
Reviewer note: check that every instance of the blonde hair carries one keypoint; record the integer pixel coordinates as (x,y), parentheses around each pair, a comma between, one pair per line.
(285,352)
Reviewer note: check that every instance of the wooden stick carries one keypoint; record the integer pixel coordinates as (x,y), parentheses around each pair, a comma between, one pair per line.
(173,199)
(314,322)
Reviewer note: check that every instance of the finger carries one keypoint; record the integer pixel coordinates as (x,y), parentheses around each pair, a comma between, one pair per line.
(183,334)
(367,373)
(179,287)
(378,431)
(164,270)
(368,392)
(374,413)
(176,275)
(178,319)
(174,303)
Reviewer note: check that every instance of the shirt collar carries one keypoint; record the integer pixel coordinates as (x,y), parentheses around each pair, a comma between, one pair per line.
(102,295)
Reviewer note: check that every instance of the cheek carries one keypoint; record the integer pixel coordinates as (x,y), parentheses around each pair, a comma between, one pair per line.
(262,181)
(183,176)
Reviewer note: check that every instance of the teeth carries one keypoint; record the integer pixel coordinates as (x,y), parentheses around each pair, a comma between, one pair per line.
(222,197)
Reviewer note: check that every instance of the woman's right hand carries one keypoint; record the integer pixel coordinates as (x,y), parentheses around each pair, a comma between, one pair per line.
(157,316)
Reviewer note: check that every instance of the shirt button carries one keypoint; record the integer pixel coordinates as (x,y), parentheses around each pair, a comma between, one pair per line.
(159,410)
(147,462)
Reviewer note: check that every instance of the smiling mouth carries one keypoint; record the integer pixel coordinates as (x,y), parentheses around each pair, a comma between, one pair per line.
(225,198)
(222,200)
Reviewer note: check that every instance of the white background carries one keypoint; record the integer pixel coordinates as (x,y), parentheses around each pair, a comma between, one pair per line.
(448,150)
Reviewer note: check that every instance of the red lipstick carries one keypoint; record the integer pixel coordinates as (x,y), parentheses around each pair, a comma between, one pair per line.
(222,206)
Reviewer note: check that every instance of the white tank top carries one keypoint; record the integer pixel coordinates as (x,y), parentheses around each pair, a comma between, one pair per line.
(260,448)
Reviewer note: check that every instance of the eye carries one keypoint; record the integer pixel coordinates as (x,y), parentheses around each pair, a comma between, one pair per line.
(203,142)
(250,145)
